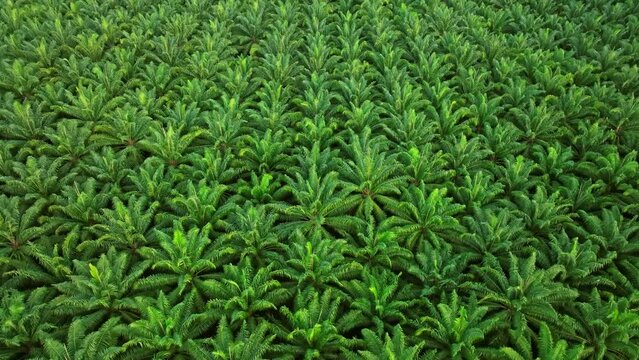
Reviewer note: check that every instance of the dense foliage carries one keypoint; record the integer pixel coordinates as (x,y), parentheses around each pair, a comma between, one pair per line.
(354,179)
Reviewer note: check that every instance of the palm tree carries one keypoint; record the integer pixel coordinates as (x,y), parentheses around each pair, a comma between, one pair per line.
(320,207)
(522,295)
(251,234)
(242,344)
(183,262)
(371,178)
(165,330)
(314,328)
(381,298)
(455,330)
(609,329)
(27,322)
(423,216)
(386,347)
(547,348)
(378,248)
(93,293)
(317,263)
(82,344)
(242,293)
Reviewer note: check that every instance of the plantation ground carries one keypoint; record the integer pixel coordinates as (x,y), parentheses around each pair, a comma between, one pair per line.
(377,179)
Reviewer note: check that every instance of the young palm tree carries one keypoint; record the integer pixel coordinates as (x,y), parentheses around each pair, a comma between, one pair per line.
(318,263)
(166,330)
(183,262)
(547,348)
(27,322)
(127,227)
(320,207)
(370,177)
(314,328)
(242,293)
(251,234)
(379,249)
(381,298)
(386,347)
(21,232)
(522,295)
(200,205)
(94,293)
(82,344)
(455,330)
(242,344)
(423,216)
(440,271)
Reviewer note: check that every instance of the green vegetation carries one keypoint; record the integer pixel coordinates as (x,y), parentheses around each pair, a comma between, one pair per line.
(350,179)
